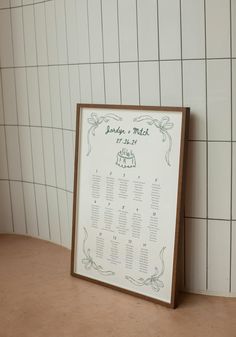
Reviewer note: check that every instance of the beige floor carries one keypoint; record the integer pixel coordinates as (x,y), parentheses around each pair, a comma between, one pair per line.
(38,298)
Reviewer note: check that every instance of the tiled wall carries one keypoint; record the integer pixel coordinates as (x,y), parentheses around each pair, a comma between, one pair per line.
(155,52)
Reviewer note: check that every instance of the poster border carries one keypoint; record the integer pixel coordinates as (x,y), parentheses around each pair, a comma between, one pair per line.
(180,195)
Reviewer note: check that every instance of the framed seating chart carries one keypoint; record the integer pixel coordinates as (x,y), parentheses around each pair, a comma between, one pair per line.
(128,194)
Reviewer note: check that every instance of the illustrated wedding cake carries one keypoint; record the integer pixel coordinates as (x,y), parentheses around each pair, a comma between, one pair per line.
(125,158)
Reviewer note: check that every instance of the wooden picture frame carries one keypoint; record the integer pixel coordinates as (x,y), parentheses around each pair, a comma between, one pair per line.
(128,197)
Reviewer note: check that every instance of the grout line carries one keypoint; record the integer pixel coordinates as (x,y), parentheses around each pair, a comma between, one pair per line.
(31,146)
(68,72)
(53,133)
(121,62)
(7,159)
(159,55)
(102,31)
(52,130)
(38,126)
(40,115)
(89,49)
(138,56)
(26,5)
(182,103)
(212,141)
(36,183)
(63,134)
(181,54)
(63,140)
(207,218)
(79,89)
(231,150)
(207,159)
(77,68)
(70,100)
(17,120)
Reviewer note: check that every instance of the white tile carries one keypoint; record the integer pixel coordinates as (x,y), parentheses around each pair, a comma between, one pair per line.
(127,30)
(42,211)
(98,93)
(38,160)
(181,260)
(218,28)
(70,211)
(169,29)
(233,18)
(63,213)
(48,145)
(149,83)
(73,139)
(171,86)
(129,83)
(53,213)
(6,52)
(18,207)
(194,94)
(21,96)
(40,27)
(9,97)
(234,99)
(26,154)
(147,30)
(196,177)
(6,225)
(219,180)
(15,3)
(110,30)
(44,94)
(233,262)
(33,96)
(234,182)
(85,84)
(29,35)
(82,30)
(3,155)
(51,32)
(1,100)
(5,4)
(61,31)
(18,37)
(28,2)
(59,158)
(193,34)
(74,92)
(218,256)
(112,82)
(195,254)
(71,26)
(218,98)
(65,96)
(30,209)
(95,31)
(69,159)
(13,152)
(55,96)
